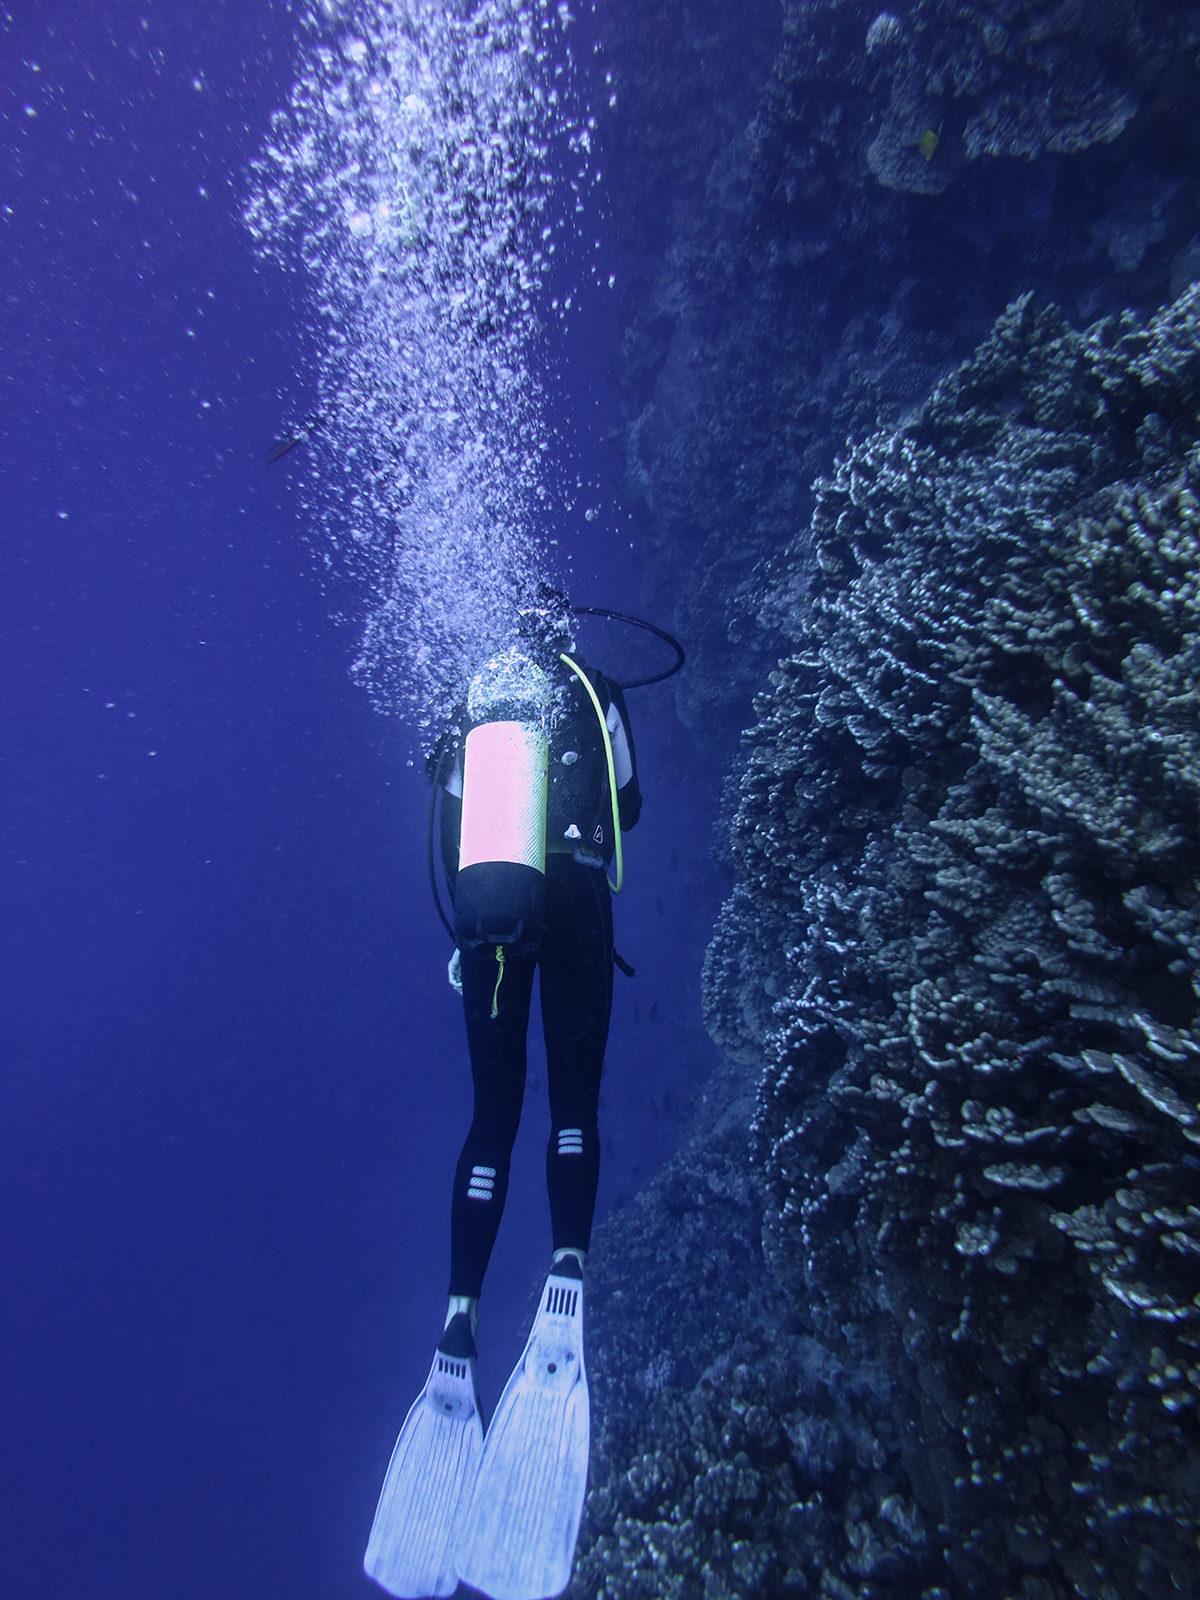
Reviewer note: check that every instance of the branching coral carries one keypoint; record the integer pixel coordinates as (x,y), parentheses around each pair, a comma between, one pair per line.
(967,942)
(733,1455)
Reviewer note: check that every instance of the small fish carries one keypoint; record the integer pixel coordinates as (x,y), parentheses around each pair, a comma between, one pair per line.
(928,142)
(289,441)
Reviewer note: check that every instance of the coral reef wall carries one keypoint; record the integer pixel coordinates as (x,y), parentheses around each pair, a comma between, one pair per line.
(914,1313)
(966,943)
(733,1454)
(827,205)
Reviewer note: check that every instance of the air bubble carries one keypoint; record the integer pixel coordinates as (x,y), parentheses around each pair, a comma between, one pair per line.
(414,176)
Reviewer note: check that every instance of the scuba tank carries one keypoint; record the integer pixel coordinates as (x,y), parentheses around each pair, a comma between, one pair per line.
(513,689)
(500,891)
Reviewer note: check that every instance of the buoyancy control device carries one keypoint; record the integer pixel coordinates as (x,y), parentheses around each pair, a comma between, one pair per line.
(500,890)
(508,799)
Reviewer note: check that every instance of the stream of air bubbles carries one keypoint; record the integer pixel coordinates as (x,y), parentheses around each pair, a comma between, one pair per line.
(415,179)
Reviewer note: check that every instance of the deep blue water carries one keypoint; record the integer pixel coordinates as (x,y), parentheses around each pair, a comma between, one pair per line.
(233,1078)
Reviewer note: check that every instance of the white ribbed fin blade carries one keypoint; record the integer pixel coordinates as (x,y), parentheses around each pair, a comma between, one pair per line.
(411,1549)
(522,1520)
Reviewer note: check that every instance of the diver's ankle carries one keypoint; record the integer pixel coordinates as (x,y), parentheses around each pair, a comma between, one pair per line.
(467,1303)
(571,1250)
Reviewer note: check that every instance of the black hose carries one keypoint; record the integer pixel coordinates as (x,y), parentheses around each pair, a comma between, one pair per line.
(638,622)
(433,796)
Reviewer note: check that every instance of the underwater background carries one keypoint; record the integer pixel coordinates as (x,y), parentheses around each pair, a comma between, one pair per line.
(860,348)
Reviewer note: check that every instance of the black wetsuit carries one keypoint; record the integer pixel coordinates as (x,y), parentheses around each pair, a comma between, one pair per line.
(575,956)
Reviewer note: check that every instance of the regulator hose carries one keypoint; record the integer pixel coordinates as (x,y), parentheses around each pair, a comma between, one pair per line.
(612,773)
(650,627)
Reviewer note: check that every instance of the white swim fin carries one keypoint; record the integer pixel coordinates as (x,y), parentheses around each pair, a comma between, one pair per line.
(411,1549)
(521,1521)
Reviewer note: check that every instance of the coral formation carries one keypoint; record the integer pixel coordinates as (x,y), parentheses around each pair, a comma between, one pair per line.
(842,207)
(967,943)
(733,1455)
(1015,80)
(962,949)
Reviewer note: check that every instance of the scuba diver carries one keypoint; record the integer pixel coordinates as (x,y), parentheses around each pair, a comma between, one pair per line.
(536,790)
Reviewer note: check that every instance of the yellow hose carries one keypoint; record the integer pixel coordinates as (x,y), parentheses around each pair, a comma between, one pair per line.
(499,980)
(612,771)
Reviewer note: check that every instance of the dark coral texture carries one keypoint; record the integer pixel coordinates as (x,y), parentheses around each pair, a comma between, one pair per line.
(966,943)
(830,202)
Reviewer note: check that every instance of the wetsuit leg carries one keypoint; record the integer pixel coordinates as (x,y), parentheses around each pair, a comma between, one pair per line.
(497,1046)
(576,990)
